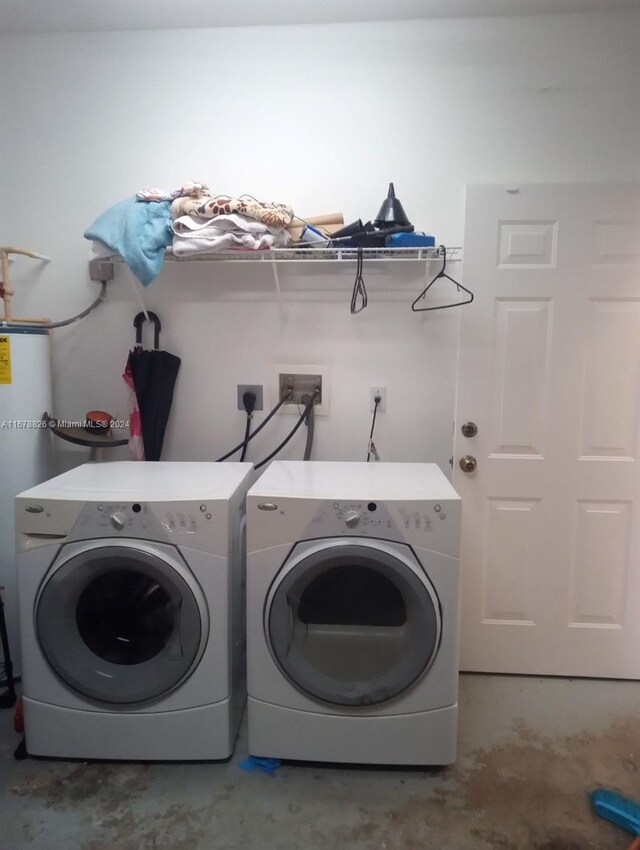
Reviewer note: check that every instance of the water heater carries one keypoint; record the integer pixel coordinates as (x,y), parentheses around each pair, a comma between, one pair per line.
(25,446)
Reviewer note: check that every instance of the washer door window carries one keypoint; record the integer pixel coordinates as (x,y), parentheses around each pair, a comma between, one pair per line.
(119,624)
(353,624)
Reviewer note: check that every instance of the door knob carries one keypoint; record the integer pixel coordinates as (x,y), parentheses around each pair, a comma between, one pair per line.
(468,463)
(469,429)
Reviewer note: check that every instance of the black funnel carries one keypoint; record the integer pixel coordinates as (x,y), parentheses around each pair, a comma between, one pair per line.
(391,212)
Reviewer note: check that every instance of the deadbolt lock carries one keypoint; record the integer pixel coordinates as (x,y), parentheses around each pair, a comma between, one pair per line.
(469,429)
(468,463)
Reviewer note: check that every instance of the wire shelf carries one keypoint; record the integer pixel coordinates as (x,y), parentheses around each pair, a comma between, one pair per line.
(319,255)
(401,264)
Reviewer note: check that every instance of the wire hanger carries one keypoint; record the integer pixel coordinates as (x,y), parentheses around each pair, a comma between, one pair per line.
(442,273)
(359,289)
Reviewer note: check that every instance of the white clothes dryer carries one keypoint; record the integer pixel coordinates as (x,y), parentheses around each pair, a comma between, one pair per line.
(352,613)
(131,590)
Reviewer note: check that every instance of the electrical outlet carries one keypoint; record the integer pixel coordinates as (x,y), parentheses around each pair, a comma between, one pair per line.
(101,269)
(378,391)
(250,388)
(302,380)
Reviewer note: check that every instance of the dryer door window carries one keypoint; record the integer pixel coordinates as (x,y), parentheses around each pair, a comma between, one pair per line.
(119,625)
(353,625)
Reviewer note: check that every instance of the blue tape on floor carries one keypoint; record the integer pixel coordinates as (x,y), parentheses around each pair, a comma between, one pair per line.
(255,763)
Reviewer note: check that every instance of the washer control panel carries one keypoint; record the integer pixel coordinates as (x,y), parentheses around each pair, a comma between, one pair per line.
(179,523)
(195,523)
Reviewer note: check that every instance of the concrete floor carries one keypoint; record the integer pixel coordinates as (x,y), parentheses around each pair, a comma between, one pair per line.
(530,750)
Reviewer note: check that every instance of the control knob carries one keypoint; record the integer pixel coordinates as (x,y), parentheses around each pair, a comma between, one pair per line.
(352,518)
(117,521)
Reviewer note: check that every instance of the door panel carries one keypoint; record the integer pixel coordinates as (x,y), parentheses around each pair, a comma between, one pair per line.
(510,562)
(521,376)
(600,563)
(550,373)
(610,408)
(527,244)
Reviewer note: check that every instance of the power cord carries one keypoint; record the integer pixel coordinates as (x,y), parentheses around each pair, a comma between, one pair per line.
(8,698)
(291,433)
(271,414)
(249,402)
(371,446)
(4,681)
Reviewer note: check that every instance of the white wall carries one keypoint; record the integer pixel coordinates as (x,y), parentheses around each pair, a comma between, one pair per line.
(322,118)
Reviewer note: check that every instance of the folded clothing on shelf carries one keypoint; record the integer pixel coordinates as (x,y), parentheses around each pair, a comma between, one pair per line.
(194,235)
(272,214)
(191,220)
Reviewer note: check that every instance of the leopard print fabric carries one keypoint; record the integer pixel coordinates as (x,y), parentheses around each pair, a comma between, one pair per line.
(273,215)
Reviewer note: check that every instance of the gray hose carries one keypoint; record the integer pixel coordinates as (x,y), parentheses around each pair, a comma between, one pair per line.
(292,432)
(311,423)
(63,322)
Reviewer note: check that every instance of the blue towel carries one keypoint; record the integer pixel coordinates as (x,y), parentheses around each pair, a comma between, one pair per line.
(266,765)
(137,230)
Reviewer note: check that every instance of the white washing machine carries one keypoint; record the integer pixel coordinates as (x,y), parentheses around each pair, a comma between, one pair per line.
(130,580)
(352,613)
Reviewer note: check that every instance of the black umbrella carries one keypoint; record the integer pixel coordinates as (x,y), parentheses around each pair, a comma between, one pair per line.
(154,376)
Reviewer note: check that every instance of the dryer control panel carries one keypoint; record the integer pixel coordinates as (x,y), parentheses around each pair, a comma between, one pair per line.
(363,516)
(370,516)
(425,524)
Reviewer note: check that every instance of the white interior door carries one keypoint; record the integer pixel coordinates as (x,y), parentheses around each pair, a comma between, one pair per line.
(550,374)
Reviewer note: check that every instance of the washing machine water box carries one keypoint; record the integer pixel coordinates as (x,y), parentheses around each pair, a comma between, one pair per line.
(352,613)
(131,592)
